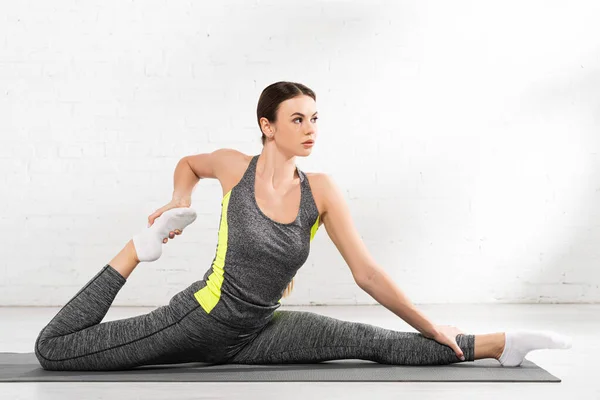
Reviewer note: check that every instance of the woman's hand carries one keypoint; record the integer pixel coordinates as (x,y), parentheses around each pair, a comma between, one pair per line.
(176,202)
(447,335)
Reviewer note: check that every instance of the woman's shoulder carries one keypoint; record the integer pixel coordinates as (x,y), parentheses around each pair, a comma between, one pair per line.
(227,155)
(230,165)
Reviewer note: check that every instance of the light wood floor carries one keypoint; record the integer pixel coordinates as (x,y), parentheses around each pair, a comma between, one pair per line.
(576,367)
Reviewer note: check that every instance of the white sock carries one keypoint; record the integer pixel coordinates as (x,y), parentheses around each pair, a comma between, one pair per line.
(148,243)
(518,343)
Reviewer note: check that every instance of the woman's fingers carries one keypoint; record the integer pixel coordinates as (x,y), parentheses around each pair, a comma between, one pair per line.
(172,235)
(457,350)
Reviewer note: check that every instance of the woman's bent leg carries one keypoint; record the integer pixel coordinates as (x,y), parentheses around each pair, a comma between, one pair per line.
(306,337)
(76,340)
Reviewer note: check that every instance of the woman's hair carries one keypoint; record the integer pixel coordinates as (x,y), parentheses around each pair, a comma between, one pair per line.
(268,104)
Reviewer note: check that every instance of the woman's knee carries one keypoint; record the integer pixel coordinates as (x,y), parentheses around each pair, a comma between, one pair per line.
(42,350)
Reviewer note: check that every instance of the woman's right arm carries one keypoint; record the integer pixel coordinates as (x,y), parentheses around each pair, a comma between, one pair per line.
(188,172)
(185,179)
(191,169)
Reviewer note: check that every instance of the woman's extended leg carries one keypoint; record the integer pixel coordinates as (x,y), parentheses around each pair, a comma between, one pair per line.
(76,340)
(306,337)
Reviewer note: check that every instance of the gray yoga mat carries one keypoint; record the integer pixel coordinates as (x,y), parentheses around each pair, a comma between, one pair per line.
(24,367)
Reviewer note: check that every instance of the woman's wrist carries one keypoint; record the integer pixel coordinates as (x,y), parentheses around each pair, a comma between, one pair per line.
(431,332)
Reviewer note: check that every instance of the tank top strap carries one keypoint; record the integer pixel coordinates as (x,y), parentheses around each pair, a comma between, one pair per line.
(309,212)
(249,174)
(303,186)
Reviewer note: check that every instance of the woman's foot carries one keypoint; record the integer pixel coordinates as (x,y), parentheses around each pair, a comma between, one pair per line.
(148,243)
(519,343)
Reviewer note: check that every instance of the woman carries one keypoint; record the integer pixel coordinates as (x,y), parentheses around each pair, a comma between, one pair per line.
(270,212)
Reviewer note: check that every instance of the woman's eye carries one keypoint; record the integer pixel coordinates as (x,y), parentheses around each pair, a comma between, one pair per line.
(315,118)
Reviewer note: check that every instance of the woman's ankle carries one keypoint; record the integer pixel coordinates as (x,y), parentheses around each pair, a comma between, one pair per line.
(126,260)
(489,345)
(501,343)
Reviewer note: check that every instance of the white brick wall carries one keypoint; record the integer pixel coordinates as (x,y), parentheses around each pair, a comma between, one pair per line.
(476,126)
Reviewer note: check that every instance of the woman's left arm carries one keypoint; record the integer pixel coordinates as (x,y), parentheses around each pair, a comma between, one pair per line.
(367,274)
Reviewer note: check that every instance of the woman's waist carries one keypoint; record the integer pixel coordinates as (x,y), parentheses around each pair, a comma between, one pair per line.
(242,315)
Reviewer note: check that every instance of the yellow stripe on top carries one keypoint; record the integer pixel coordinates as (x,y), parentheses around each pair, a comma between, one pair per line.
(315,227)
(209,296)
(313,232)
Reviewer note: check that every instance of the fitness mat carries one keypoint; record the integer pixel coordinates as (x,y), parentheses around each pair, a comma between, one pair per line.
(24,367)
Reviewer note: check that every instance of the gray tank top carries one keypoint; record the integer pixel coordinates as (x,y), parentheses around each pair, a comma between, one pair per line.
(256,257)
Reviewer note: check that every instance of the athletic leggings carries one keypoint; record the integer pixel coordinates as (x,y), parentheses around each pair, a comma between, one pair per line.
(182,332)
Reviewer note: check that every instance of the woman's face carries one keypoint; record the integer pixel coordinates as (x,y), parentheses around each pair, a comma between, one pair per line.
(296,123)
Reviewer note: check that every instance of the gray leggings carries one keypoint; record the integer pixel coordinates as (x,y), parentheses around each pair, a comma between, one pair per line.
(182,332)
